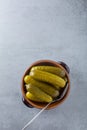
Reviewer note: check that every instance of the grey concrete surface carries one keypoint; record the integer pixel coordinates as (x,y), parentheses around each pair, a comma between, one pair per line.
(31,30)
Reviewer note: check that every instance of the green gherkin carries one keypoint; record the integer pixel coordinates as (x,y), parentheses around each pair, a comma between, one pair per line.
(52,69)
(49,89)
(38,93)
(48,77)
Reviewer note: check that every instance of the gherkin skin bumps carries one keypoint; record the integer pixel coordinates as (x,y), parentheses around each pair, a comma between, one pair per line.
(48,77)
(32,97)
(44,83)
(49,89)
(27,79)
(38,93)
(52,69)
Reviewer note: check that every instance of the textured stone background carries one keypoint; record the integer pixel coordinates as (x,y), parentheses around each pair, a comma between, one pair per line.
(43,29)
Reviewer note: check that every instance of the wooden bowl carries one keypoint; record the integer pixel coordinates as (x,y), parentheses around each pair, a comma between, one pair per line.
(40,105)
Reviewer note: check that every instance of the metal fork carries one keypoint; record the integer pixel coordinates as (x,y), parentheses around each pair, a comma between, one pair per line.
(57,99)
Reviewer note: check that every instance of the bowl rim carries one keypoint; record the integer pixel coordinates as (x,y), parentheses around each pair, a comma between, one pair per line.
(41,105)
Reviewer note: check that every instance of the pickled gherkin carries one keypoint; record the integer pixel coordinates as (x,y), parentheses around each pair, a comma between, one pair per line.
(38,93)
(49,89)
(48,78)
(44,83)
(52,69)
(32,97)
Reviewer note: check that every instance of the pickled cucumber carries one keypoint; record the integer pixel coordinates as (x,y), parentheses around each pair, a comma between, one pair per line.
(38,93)
(48,77)
(44,86)
(52,69)
(32,97)
(27,79)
